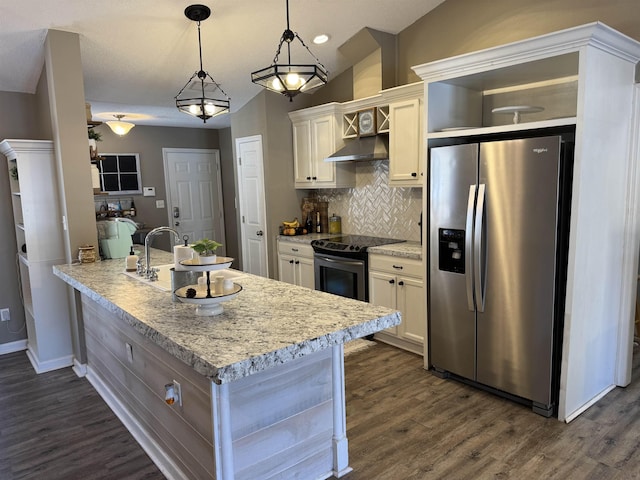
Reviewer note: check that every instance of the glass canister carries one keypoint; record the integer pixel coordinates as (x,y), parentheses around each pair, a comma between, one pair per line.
(335,224)
(86,254)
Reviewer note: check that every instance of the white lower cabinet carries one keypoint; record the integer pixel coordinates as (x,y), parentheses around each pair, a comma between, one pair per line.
(295,263)
(398,283)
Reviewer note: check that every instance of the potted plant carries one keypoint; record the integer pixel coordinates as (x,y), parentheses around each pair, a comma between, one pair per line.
(206,250)
(94,137)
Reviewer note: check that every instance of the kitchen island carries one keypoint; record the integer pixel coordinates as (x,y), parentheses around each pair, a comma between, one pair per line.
(260,388)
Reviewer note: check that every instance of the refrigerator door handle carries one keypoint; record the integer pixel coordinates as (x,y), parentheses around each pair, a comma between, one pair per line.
(478,249)
(468,247)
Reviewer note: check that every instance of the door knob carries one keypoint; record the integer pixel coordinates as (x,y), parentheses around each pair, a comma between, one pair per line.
(259,233)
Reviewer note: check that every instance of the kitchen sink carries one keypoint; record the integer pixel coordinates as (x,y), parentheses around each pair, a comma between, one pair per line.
(164,276)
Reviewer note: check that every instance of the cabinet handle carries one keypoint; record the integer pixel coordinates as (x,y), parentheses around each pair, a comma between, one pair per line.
(392,282)
(414,174)
(294,249)
(398,267)
(400,283)
(308,178)
(315,178)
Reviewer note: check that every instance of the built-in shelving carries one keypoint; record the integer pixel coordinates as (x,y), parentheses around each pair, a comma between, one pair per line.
(40,245)
(583,77)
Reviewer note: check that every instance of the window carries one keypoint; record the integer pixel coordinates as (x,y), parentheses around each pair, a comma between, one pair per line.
(120,173)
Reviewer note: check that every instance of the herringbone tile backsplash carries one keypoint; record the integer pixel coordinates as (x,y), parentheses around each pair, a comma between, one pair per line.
(373,207)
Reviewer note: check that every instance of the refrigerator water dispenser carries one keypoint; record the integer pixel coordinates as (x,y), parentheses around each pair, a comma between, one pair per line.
(451,250)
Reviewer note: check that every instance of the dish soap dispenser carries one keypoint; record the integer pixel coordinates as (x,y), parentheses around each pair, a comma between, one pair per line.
(131,261)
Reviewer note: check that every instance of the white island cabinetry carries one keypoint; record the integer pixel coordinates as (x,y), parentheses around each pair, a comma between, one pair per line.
(40,245)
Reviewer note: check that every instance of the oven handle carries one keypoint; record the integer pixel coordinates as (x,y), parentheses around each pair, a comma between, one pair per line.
(342,262)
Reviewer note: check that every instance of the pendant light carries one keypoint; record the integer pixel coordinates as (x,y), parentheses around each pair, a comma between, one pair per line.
(119,127)
(202,106)
(288,78)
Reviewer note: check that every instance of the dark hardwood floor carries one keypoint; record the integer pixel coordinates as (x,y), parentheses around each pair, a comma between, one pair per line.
(55,426)
(402,422)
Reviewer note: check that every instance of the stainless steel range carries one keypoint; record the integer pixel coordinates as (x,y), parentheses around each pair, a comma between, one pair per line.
(341,264)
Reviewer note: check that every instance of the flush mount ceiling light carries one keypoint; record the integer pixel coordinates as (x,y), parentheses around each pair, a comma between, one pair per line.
(119,127)
(203,106)
(288,78)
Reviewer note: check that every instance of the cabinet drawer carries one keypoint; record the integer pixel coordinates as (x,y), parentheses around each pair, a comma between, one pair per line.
(396,265)
(294,248)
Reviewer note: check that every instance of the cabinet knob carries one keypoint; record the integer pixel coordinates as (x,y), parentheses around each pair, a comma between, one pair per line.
(315,178)
(297,262)
(400,283)
(414,174)
(392,282)
(308,178)
(291,262)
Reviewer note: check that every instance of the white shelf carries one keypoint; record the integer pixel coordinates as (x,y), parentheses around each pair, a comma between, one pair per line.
(558,122)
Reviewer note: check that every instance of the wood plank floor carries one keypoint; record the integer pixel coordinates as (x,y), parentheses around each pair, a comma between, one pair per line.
(402,422)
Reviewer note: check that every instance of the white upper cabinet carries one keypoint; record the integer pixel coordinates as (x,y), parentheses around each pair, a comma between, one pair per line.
(316,135)
(406,135)
(405,139)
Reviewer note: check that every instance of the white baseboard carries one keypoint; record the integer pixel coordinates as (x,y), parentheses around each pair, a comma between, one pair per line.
(157,454)
(12,347)
(80,369)
(573,415)
(48,365)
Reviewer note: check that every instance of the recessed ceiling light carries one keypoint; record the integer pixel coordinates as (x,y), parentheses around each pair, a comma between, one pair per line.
(320,39)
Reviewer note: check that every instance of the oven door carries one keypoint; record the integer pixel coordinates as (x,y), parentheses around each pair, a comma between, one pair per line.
(341,276)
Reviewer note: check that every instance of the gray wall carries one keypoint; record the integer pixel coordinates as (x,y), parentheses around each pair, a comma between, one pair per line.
(266,115)
(462,26)
(148,142)
(16,121)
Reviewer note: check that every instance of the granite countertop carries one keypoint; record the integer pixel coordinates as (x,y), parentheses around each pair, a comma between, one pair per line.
(269,322)
(304,238)
(405,250)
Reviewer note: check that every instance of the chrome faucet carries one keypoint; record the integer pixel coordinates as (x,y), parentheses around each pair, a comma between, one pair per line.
(147,246)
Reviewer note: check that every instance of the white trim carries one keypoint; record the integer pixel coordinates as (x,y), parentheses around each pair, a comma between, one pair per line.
(217,173)
(49,365)
(80,369)
(630,252)
(157,454)
(241,194)
(570,40)
(12,347)
(340,443)
(587,405)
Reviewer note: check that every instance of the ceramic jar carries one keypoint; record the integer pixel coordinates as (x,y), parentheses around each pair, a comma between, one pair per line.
(87,254)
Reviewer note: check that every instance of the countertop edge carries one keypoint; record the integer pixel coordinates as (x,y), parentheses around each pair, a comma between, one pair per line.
(226,371)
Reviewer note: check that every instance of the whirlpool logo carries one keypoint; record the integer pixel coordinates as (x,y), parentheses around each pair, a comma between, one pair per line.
(540,150)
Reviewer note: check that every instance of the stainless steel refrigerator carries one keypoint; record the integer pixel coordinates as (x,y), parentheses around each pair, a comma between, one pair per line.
(498,223)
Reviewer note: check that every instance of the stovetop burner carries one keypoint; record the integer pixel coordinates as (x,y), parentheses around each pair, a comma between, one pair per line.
(350,243)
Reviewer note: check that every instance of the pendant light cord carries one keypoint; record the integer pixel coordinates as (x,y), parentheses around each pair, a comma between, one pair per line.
(288,36)
(200,45)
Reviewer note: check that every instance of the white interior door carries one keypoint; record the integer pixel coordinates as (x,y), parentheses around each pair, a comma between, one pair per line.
(194,193)
(252,205)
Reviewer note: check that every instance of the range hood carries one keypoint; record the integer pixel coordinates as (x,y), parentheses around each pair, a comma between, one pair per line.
(362,148)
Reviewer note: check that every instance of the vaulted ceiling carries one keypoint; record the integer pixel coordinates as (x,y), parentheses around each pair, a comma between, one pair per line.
(137,54)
